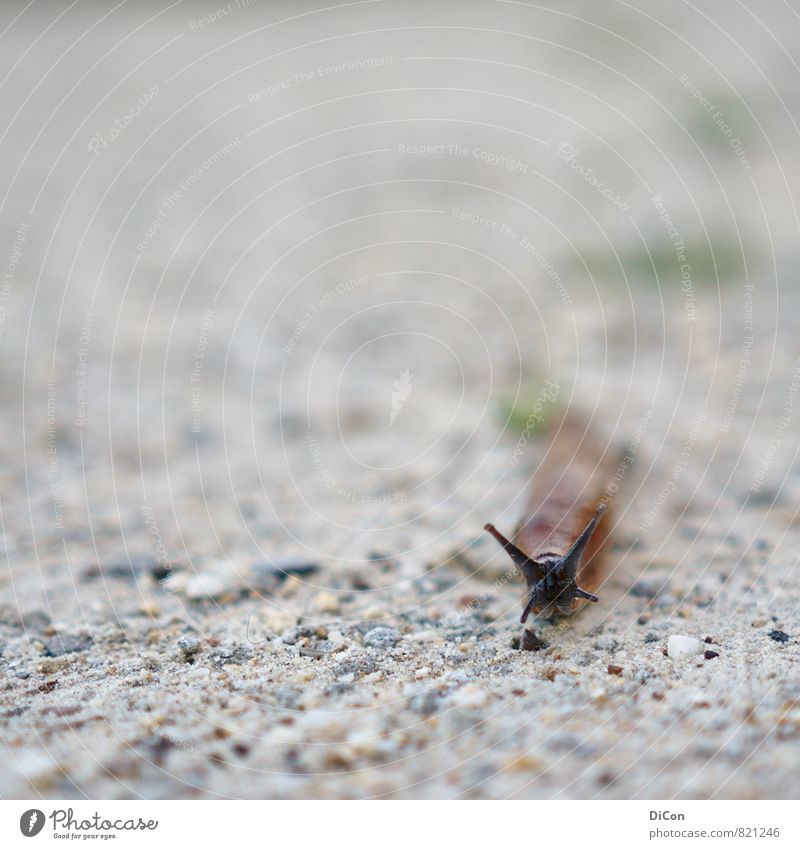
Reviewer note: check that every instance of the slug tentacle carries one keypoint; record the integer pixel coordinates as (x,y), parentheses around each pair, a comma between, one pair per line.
(572,559)
(551,578)
(531,571)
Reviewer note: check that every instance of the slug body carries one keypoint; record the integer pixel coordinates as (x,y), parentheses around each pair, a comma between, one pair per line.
(558,546)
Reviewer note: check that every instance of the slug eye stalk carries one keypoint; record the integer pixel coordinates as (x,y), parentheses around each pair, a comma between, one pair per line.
(551,579)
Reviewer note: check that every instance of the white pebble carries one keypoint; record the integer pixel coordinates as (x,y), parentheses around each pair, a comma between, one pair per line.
(325,602)
(423,637)
(680,647)
(205,585)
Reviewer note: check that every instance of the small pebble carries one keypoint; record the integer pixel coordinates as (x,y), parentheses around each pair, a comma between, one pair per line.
(710,655)
(278,621)
(531,642)
(22,673)
(189,644)
(326,603)
(681,647)
(779,636)
(646,589)
(605,643)
(382,638)
(205,585)
(281,569)
(68,644)
(424,637)
(613,669)
(51,665)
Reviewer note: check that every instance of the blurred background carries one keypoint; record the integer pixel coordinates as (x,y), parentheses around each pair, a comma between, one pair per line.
(290,279)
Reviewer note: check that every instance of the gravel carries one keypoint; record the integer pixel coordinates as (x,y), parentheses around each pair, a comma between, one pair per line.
(382,638)
(201,343)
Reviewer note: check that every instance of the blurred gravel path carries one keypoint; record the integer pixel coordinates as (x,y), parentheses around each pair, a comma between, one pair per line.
(282,287)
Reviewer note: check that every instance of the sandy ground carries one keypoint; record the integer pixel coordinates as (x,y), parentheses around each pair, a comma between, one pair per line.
(283,285)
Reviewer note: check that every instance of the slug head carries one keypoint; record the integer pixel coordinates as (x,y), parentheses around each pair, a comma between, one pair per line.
(551,578)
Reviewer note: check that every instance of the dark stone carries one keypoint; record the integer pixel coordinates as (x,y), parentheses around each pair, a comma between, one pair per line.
(67,644)
(530,642)
(281,569)
(161,571)
(646,589)
(130,568)
(225,655)
(779,636)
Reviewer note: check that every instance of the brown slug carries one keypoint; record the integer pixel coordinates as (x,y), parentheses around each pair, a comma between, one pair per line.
(558,546)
